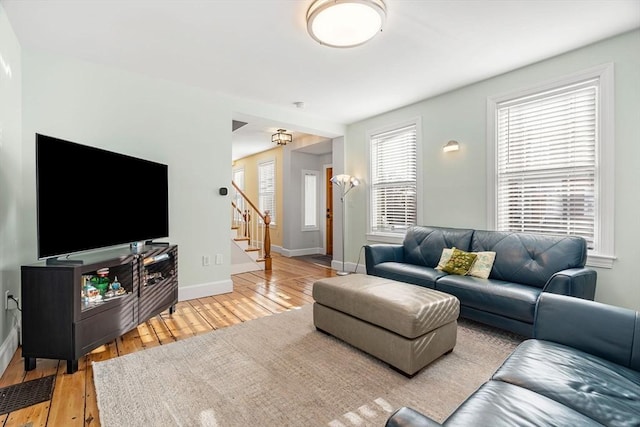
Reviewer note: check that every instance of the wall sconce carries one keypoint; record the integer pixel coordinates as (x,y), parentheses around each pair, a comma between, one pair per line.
(281,138)
(451,146)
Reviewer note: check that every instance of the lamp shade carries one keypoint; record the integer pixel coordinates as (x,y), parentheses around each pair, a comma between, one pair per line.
(345,182)
(345,23)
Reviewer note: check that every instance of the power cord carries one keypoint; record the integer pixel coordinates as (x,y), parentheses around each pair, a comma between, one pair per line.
(12,298)
(359,257)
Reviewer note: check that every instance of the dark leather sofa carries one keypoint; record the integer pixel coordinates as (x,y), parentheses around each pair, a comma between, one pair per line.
(525,266)
(582,368)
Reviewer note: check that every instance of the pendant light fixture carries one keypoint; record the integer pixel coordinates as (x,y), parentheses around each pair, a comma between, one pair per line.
(345,23)
(281,137)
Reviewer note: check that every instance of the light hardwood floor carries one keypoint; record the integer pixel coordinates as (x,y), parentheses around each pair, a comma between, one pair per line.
(255,295)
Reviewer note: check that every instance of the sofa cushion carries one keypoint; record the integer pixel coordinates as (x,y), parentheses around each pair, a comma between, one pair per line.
(409,273)
(529,258)
(602,390)
(460,262)
(483,265)
(423,245)
(507,299)
(444,258)
(498,404)
(481,268)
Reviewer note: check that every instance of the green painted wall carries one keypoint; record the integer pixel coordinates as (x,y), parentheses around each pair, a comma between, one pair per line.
(454,185)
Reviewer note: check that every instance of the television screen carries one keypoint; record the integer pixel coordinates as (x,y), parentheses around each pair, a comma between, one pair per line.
(89,198)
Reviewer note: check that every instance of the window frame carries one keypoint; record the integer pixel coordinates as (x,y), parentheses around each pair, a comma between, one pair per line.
(239,170)
(316,174)
(272,213)
(603,255)
(387,237)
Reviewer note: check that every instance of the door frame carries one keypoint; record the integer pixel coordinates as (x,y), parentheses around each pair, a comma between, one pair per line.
(323,203)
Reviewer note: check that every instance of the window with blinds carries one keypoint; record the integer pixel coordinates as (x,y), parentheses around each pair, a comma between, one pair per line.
(547,161)
(310,200)
(394,180)
(267,188)
(238,178)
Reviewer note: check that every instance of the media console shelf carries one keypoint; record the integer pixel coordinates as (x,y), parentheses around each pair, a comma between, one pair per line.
(60,322)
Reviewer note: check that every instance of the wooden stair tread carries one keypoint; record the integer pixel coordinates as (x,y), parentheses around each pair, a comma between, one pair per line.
(241,239)
(252,249)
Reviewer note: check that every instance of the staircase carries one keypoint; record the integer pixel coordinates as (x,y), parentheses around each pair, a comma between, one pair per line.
(251,241)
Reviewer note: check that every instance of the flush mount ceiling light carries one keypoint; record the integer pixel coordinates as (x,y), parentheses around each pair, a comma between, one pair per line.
(345,23)
(281,138)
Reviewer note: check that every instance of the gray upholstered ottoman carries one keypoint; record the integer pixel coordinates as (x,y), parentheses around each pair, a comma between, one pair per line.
(406,326)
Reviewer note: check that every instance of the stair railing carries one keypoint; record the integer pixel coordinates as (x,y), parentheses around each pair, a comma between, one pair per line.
(251,224)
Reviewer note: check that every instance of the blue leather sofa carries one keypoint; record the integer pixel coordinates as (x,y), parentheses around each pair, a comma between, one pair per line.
(525,266)
(581,369)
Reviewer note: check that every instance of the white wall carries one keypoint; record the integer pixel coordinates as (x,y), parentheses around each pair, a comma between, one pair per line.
(188,128)
(455,183)
(10,183)
(142,117)
(339,167)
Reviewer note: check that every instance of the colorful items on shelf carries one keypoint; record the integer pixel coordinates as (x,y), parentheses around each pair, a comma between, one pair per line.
(101,283)
(89,292)
(115,289)
(98,287)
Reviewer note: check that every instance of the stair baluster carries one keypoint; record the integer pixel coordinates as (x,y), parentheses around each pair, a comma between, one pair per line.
(256,233)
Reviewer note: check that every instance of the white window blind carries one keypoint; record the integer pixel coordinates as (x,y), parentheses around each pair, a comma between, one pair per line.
(310,200)
(547,162)
(238,178)
(394,180)
(267,188)
(238,200)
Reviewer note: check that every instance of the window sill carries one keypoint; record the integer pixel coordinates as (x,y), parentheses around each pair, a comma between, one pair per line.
(599,260)
(385,238)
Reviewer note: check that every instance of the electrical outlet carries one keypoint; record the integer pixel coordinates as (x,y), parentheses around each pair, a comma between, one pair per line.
(6,299)
(206,260)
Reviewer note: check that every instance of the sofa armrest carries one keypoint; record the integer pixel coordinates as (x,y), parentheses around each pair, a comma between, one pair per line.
(575,282)
(606,331)
(405,417)
(379,253)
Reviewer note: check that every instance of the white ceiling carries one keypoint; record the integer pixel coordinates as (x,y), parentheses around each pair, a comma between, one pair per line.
(260,50)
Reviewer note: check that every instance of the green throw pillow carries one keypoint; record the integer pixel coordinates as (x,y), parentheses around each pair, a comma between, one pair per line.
(460,262)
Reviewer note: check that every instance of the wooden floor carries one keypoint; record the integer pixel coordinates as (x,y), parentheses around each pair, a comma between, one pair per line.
(255,294)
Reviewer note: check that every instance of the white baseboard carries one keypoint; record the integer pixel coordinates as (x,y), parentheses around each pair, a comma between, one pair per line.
(204,290)
(245,267)
(300,252)
(8,348)
(349,266)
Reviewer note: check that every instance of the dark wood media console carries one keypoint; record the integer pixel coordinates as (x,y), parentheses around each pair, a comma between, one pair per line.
(58,322)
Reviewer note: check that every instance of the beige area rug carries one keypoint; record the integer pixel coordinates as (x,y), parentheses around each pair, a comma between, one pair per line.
(280,371)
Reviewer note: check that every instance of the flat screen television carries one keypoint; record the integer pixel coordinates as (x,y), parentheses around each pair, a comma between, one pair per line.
(89,198)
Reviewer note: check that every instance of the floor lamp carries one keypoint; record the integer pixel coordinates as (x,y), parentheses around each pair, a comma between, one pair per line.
(345,183)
